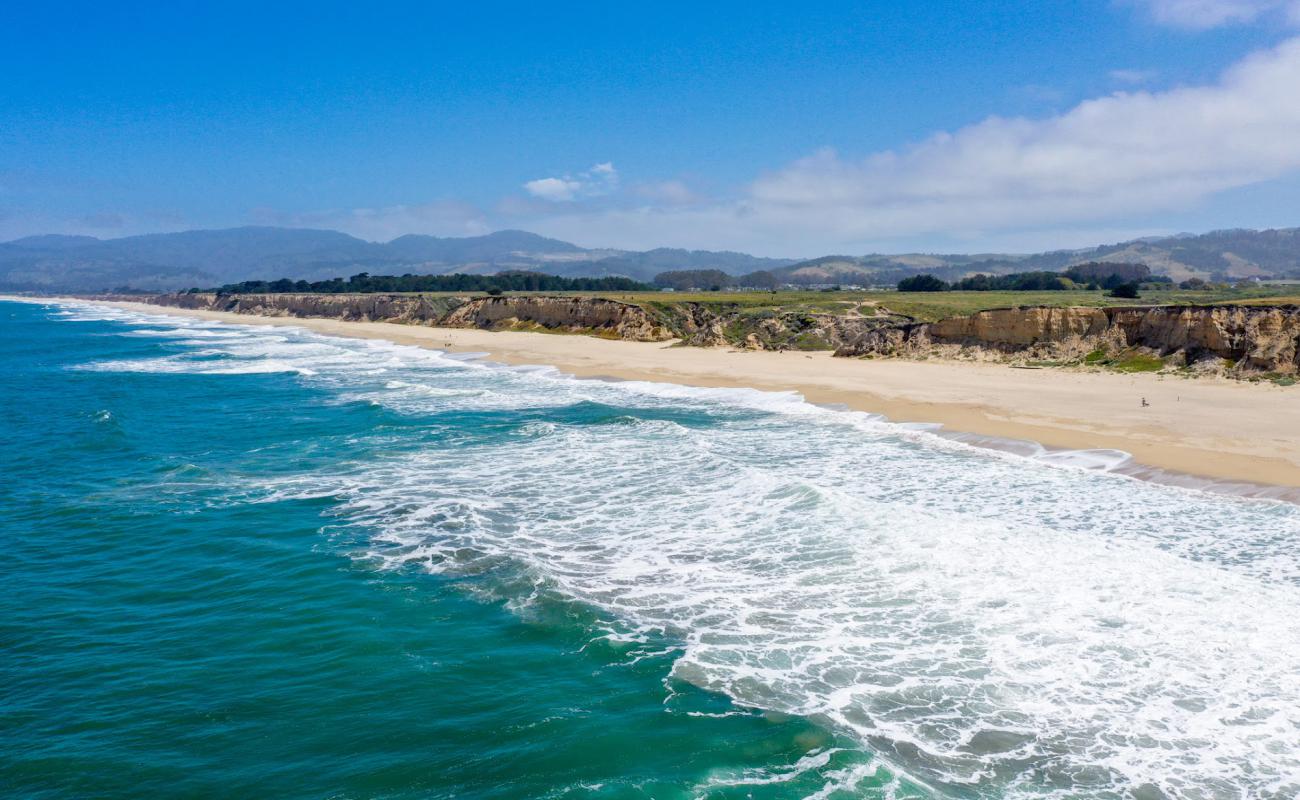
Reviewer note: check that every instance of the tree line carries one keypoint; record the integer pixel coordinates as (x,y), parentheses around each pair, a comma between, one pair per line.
(365,283)
(1120,278)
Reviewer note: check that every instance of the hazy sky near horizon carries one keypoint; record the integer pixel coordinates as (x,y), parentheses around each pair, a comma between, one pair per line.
(774,128)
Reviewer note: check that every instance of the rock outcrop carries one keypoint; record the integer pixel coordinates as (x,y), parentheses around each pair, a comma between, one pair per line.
(1246,338)
(720,324)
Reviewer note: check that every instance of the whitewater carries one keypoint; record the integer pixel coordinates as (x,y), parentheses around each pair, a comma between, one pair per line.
(973,623)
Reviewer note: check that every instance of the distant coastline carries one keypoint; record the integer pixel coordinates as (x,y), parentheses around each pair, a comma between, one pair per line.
(1221,429)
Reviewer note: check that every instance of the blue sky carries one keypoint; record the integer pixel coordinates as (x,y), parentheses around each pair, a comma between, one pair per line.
(777,128)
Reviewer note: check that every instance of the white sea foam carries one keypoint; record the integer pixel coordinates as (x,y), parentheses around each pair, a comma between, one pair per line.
(1019,623)
(179,365)
(186,335)
(1016,627)
(818,762)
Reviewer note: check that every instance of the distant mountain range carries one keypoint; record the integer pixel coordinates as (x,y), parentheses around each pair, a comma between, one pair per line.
(210,258)
(216,257)
(1219,255)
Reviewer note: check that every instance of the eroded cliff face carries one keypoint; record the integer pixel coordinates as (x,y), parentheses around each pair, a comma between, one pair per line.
(708,325)
(599,316)
(1236,338)
(1258,338)
(1243,338)
(407,309)
(590,315)
(695,324)
(1022,327)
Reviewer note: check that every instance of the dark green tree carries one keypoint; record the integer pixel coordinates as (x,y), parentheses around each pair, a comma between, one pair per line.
(921,283)
(1125,290)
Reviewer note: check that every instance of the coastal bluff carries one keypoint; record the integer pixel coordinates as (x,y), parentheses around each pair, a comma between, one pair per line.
(1237,339)
(1227,337)
(693,323)
(589,315)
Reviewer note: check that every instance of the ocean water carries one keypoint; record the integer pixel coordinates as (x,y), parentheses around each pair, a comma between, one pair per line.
(243,561)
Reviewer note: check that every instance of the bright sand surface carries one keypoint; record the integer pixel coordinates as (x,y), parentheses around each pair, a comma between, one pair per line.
(1212,427)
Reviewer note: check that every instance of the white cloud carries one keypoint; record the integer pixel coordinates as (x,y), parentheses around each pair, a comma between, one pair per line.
(600,180)
(558,189)
(1204,14)
(1100,163)
(1125,151)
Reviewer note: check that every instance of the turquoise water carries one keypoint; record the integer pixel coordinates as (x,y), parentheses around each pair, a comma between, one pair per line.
(249,561)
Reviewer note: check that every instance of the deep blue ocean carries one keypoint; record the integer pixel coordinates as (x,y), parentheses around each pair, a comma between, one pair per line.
(251,561)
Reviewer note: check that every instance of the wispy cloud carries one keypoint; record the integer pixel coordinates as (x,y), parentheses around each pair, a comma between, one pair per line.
(1125,151)
(557,189)
(1098,165)
(1100,162)
(600,180)
(1205,14)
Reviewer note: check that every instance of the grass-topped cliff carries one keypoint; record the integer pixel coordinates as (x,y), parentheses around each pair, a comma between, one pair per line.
(1255,330)
(933,306)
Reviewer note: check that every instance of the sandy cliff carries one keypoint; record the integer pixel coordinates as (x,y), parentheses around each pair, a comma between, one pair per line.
(561,314)
(608,318)
(694,323)
(1243,338)
(1238,338)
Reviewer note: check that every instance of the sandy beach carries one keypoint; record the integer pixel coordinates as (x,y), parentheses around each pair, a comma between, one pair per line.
(1217,428)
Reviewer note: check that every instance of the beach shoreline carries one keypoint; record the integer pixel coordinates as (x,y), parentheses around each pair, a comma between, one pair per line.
(1215,428)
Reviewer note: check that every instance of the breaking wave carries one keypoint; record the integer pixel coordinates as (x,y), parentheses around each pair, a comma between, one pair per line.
(1009,622)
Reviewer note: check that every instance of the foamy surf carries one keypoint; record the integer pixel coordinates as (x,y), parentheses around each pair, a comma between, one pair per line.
(995,623)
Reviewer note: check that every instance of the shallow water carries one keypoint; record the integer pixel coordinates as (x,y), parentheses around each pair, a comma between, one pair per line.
(245,559)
